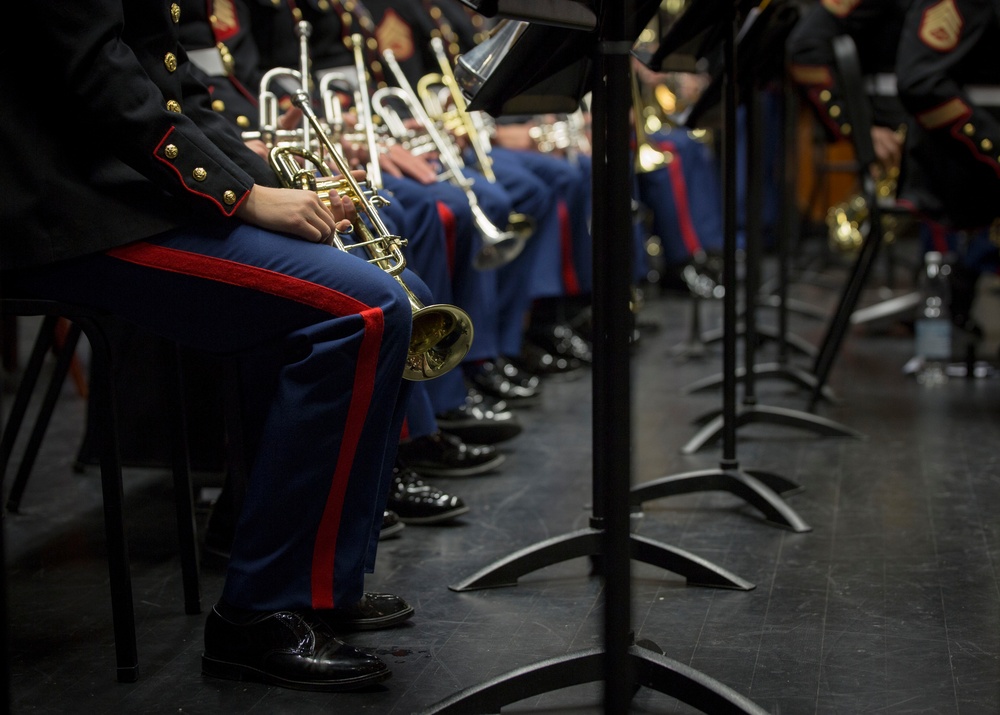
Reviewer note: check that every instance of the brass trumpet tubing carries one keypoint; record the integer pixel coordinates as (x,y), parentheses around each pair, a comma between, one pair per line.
(365,110)
(483,160)
(499,247)
(267,118)
(647,157)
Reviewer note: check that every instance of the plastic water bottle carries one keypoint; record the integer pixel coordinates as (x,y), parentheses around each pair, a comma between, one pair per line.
(933,326)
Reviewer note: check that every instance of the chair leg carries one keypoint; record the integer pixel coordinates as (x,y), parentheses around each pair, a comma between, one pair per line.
(25,389)
(122,607)
(183,496)
(64,360)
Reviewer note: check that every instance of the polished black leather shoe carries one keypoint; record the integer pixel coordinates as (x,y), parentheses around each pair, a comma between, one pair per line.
(445,455)
(288,649)
(703,277)
(560,340)
(391,525)
(537,360)
(373,612)
(481,421)
(417,502)
(503,380)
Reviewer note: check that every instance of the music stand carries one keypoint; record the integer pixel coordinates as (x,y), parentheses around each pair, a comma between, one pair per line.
(622,663)
(759,488)
(547,68)
(764,28)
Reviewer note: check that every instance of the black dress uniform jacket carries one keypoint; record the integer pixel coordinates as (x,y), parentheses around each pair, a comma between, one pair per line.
(216,35)
(89,164)
(875,26)
(949,49)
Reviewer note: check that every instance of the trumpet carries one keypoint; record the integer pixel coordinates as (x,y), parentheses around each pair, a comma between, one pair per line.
(465,123)
(847,222)
(460,121)
(441,334)
(647,157)
(499,247)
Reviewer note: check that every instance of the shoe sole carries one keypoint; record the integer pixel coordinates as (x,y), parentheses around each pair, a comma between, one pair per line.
(391,532)
(480,434)
(436,518)
(435,471)
(369,624)
(238,671)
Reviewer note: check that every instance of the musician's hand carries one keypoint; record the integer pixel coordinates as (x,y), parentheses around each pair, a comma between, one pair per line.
(888,145)
(288,120)
(295,212)
(399,161)
(515,136)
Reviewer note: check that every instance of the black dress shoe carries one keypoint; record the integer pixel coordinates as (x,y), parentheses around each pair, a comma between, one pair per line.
(503,380)
(445,455)
(417,502)
(537,360)
(560,340)
(391,525)
(481,421)
(288,649)
(373,612)
(703,276)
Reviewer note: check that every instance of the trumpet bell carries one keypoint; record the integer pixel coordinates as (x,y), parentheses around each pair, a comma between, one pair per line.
(440,339)
(498,253)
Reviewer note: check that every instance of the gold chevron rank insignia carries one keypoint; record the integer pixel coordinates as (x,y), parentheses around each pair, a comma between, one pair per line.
(394,34)
(840,8)
(941,26)
(225,21)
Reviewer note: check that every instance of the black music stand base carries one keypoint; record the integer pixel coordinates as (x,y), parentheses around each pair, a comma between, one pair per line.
(778,369)
(758,488)
(749,414)
(589,542)
(652,669)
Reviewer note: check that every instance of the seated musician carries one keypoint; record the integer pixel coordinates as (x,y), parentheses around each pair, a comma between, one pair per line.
(164,218)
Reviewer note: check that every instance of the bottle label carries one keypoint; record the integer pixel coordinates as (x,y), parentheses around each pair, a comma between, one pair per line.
(933,338)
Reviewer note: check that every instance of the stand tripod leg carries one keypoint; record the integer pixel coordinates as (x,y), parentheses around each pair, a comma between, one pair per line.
(743,484)
(767,370)
(796,342)
(651,668)
(770,415)
(589,542)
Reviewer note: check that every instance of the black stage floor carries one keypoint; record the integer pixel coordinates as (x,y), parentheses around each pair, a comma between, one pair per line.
(890,605)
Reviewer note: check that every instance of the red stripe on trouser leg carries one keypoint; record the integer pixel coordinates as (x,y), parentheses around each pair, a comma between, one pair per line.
(321,298)
(571,284)
(677,182)
(448,219)
(326,537)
